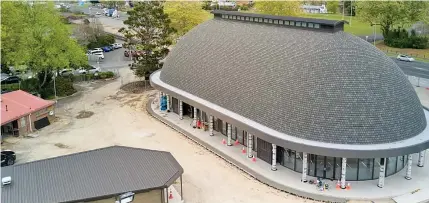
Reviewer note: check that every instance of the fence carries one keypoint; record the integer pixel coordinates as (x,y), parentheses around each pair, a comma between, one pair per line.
(393,51)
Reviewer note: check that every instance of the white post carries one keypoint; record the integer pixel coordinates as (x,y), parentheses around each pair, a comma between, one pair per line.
(304,167)
(180,109)
(160,99)
(410,162)
(165,195)
(195,118)
(168,102)
(421,162)
(343,173)
(228,133)
(274,160)
(211,125)
(382,173)
(249,145)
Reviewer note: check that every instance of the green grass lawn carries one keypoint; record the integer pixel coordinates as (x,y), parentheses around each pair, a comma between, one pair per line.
(356,26)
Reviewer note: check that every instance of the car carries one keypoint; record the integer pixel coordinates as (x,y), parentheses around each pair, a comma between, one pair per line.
(66,72)
(91,69)
(9,79)
(97,13)
(8,158)
(403,57)
(106,48)
(96,50)
(117,45)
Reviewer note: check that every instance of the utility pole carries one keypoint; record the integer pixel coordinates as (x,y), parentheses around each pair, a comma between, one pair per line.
(375,31)
(351,12)
(344,5)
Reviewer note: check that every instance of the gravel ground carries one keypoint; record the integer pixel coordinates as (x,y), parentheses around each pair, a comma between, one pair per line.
(119,118)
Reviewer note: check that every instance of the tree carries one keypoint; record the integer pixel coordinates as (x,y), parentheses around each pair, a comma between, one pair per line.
(185,15)
(391,13)
(332,6)
(88,31)
(282,8)
(113,4)
(349,8)
(37,38)
(148,29)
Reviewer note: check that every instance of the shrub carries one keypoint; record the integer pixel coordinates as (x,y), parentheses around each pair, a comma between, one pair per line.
(30,85)
(108,74)
(400,38)
(10,87)
(101,41)
(64,86)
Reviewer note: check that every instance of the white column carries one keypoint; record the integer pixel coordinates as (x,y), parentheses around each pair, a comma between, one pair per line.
(343,173)
(160,100)
(180,109)
(211,125)
(410,162)
(195,117)
(168,102)
(421,162)
(382,173)
(249,145)
(304,167)
(274,160)
(228,133)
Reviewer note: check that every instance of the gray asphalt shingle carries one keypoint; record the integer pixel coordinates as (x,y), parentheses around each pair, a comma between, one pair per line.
(321,86)
(101,172)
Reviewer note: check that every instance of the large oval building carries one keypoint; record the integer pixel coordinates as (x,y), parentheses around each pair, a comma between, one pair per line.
(297,92)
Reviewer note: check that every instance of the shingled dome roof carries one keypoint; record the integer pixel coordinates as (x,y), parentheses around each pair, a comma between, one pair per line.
(329,87)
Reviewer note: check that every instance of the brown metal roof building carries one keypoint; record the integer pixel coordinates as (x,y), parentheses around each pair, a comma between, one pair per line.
(100,174)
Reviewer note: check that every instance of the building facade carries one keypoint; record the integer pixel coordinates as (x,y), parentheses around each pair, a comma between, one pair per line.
(297,92)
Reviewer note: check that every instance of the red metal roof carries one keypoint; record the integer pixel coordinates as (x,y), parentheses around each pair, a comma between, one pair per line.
(19,104)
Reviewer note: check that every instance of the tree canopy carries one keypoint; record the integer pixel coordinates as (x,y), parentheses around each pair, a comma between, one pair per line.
(148,30)
(283,8)
(332,6)
(391,13)
(35,36)
(185,15)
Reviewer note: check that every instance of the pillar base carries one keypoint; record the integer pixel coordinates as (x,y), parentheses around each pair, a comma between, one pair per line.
(343,188)
(251,156)
(420,166)
(379,186)
(211,134)
(181,118)
(229,145)
(304,181)
(408,178)
(274,169)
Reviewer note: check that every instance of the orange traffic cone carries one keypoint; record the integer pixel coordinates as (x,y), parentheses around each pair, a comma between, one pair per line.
(338,186)
(236,142)
(223,141)
(348,186)
(254,159)
(171,195)
(243,150)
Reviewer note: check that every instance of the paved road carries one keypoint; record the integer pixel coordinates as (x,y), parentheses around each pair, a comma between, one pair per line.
(416,68)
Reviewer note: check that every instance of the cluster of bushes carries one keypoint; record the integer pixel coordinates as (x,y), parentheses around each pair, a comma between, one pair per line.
(400,38)
(90,76)
(101,41)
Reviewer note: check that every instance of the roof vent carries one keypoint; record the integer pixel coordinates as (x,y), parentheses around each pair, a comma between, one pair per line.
(6,180)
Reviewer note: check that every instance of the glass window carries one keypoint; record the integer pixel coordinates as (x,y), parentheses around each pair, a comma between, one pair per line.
(265,20)
(400,163)
(298,162)
(289,159)
(276,21)
(281,22)
(376,168)
(233,133)
(223,16)
(247,18)
(242,18)
(215,124)
(320,166)
(254,141)
(298,24)
(287,22)
(244,138)
(255,19)
(351,169)
(234,17)
(311,158)
(270,20)
(260,20)
(391,166)
(330,166)
(310,25)
(304,24)
(23,124)
(316,26)
(240,136)
(338,162)
(230,17)
(365,169)
(223,127)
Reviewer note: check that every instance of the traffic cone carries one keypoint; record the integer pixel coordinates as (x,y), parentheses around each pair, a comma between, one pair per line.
(348,186)
(236,142)
(223,141)
(243,150)
(338,186)
(254,159)
(171,195)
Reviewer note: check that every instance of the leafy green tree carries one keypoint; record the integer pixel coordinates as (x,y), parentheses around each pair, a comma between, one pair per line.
(282,8)
(113,4)
(185,15)
(332,6)
(37,38)
(148,30)
(391,13)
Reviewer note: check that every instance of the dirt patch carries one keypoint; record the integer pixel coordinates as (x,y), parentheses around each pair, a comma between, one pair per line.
(137,87)
(61,145)
(84,114)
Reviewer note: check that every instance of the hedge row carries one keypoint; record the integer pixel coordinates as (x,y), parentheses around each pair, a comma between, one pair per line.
(400,38)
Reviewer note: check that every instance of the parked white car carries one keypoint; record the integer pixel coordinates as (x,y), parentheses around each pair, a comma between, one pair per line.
(117,45)
(402,57)
(89,70)
(97,52)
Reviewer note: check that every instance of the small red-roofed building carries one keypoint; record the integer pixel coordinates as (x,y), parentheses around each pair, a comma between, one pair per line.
(22,113)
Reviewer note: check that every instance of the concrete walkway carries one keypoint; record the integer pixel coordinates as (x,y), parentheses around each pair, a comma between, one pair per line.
(287,180)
